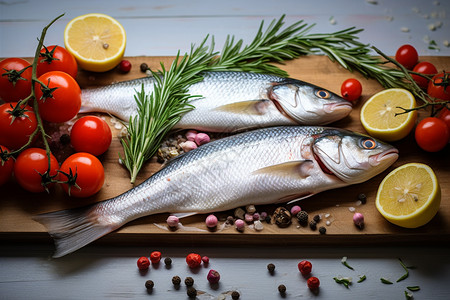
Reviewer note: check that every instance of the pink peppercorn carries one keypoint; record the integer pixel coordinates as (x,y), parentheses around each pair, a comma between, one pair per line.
(256,217)
(201,138)
(211,221)
(205,259)
(240,224)
(248,218)
(193,260)
(155,257)
(313,283)
(213,276)
(190,135)
(143,263)
(358,219)
(172,221)
(295,210)
(125,66)
(305,267)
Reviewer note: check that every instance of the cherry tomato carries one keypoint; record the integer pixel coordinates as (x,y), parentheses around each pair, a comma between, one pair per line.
(61,100)
(6,166)
(423,68)
(432,134)
(439,86)
(17,123)
(30,165)
(445,116)
(351,89)
(15,79)
(56,58)
(89,172)
(407,56)
(91,134)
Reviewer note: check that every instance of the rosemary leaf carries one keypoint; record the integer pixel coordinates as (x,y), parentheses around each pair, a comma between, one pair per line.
(346,281)
(406,271)
(362,278)
(413,288)
(344,262)
(385,281)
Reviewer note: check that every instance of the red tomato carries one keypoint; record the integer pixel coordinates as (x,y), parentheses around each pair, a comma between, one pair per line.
(17,124)
(6,166)
(56,58)
(407,56)
(432,134)
(15,80)
(351,89)
(91,134)
(439,86)
(89,171)
(30,165)
(445,116)
(62,100)
(423,68)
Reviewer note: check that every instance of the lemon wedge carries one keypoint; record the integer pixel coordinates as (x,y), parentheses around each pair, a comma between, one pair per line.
(409,196)
(96,40)
(378,114)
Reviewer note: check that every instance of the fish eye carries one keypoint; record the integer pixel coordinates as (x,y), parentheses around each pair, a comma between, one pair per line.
(368,143)
(324,94)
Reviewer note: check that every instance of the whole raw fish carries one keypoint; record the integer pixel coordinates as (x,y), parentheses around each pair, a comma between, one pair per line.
(264,166)
(231,101)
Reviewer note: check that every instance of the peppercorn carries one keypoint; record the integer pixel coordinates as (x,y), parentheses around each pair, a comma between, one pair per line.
(205,260)
(322,230)
(230,220)
(235,295)
(189,281)
(282,288)
(193,260)
(176,280)
(155,257)
(268,219)
(313,225)
(125,66)
(143,263)
(149,284)
(305,267)
(302,217)
(363,198)
(191,292)
(282,217)
(167,261)
(271,268)
(144,67)
(313,283)
(316,218)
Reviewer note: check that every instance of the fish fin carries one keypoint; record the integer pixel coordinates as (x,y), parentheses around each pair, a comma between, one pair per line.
(299,168)
(73,229)
(184,215)
(252,107)
(300,198)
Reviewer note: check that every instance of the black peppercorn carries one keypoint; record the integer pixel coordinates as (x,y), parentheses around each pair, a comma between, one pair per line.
(191,292)
(302,217)
(282,288)
(235,295)
(271,268)
(149,284)
(268,219)
(189,281)
(316,218)
(362,197)
(322,230)
(144,67)
(313,225)
(167,261)
(176,280)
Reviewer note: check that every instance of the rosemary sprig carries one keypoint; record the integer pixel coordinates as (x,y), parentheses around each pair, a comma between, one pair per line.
(346,281)
(344,262)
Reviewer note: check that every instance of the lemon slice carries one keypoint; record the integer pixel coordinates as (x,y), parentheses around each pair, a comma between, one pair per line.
(409,196)
(378,114)
(96,40)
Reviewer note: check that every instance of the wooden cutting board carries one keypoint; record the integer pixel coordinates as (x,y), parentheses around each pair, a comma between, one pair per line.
(18,206)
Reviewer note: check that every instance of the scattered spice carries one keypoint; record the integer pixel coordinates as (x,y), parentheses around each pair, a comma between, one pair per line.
(282,217)
(235,295)
(213,276)
(295,210)
(302,217)
(176,280)
(363,198)
(211,221)
(173,221)
(193,260)
(344,262)
(248,218)
(202,138)
(282,288)
(313,225)
(143,263)
(167,261)
(230,220)
(240,225)
(155,257)
(316,218)
(149,284)
(271,268)
(362,278)
(239,213)
(406,270)
(346,281)
(125,66)
(263,215)
(358,219)
(144,67)
(205,259)
(305,267)
(258,225)
(268,219)
(322,230)
(250,209)
(256,216)
(313,283)
(189,281)
(413,288)
(385,281)
(191,292)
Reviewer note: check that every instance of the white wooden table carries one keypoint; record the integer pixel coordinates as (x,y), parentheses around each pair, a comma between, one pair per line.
(160,28)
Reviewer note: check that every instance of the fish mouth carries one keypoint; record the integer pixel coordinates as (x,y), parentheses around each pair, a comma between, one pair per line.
(386,156)
(338,106)
(322,166)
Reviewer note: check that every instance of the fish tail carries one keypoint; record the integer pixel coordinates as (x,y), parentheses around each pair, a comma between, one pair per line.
(72,229)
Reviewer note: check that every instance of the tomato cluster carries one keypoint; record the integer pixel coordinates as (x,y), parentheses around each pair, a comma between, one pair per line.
(58,99)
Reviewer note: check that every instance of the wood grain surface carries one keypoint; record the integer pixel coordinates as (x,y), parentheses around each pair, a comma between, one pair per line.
(18,206)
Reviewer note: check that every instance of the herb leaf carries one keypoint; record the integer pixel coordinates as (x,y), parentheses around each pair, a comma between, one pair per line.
(406,270)
(362,278)
(413,288)
(344,262)
(346,281)
(385,281)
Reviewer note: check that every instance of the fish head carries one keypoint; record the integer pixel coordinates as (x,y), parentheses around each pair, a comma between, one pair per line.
(352,157)
(308,104)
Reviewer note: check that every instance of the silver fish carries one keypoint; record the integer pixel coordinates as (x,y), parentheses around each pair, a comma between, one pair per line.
(265,166)
(231,101)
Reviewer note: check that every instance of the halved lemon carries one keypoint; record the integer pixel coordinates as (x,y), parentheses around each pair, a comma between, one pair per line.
(378,114)
(409,196)
(96,40)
